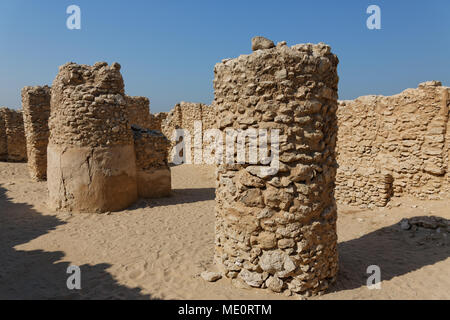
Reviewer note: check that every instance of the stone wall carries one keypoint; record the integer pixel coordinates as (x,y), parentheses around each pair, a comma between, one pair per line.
(16,148)
(91,158)
(279,230)
(156,121)
(153,173)
(3,144)
(36,111)
(183,116)
(139,113)
(403,135)
(363,186)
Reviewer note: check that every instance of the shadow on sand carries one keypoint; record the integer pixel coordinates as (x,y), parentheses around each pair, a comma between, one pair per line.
(178,196)
(395,251)
(39,274)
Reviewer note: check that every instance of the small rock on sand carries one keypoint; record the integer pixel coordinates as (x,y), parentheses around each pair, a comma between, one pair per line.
(404,224)
(210,276)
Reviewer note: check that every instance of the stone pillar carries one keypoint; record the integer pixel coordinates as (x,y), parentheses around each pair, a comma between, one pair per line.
(91,163)
(3,145)
(36,111)
(279,231)
(153,172)
(15,136)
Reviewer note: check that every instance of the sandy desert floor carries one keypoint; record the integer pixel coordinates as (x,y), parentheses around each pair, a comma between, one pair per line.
(158,248)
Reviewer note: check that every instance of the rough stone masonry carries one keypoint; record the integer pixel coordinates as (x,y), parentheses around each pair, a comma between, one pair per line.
(91,160)
(279,231)
(139,113)
(153,172)
(394,146)
(12,136)
(3,144)
(36,111)
(183,116)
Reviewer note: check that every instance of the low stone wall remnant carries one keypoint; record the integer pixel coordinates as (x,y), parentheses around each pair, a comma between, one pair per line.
(153,172)
(36,111)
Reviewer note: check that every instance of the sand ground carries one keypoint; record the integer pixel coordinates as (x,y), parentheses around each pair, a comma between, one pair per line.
(158,248)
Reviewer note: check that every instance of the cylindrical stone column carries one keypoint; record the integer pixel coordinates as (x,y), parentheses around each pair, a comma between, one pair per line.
(279,231)
(91,161)
(36,111)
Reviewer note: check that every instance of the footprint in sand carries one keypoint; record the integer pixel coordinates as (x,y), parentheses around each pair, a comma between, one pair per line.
(137,271)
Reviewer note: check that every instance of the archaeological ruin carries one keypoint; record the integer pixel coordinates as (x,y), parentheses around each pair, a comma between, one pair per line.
(36,111)
(275,227)
(139,113)
(3,144)
(12,136)
(278,230)
(153,172)
(91,158)
(185,115)
(393,146)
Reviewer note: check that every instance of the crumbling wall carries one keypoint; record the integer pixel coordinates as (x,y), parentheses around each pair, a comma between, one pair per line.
(153,173)
(403,135)
(16,147)
(3,144)
(279,230)
(446,109)
(36,111)
(91,158)
(183,116)
(363,186)
(139,111)
(156,121)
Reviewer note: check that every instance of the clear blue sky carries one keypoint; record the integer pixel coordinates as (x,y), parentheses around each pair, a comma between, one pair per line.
(168,49)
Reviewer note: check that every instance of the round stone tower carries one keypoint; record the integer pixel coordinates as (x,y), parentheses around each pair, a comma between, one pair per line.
(91,159)
(277,229)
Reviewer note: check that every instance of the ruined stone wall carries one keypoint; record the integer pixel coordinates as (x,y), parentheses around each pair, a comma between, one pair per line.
(16,147)
(363,186)
(445,112)
(183,116)
(36,111)
(402,135)
(3,144)
(91,158)
(153,173)
(279,230)
(139,111)
(156,121)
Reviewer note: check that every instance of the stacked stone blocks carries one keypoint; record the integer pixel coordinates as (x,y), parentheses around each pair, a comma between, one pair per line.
(36,111)
(279,231)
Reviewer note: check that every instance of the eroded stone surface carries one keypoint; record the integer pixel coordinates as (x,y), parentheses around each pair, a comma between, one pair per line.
(13,146)
(91,158)
(280,225)
(153,172)
(36,111)
(393,146)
